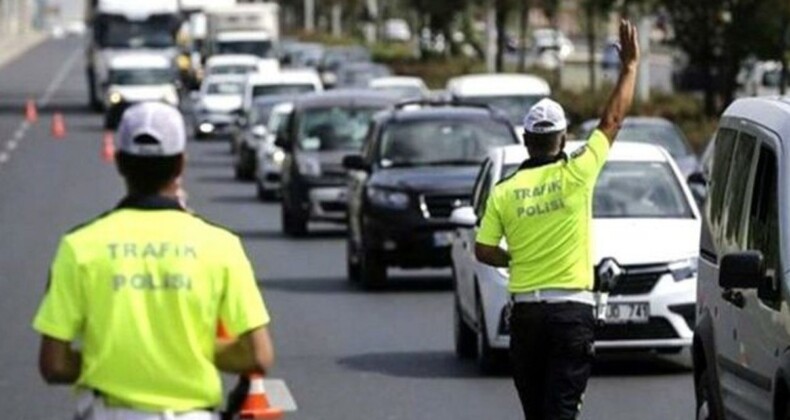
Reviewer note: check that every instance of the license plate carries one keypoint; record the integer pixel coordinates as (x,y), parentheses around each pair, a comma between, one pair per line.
(620,313)
(442,239)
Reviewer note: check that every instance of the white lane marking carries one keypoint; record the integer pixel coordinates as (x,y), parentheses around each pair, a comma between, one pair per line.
(3,157)
(11,145)
(59,78)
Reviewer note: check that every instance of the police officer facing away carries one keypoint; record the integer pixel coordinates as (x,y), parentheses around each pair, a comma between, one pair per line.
(544,212)
(143,288)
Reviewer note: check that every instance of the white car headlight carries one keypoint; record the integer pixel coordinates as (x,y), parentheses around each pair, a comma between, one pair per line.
(309,167)
(115,98)
(388,198)
(278,156)
(684,269)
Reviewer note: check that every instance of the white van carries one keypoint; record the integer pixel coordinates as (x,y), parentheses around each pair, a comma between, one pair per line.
(285,82)
(139,77)
(741,345)
(513,94)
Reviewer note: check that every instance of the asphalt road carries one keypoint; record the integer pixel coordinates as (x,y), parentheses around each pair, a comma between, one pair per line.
(344,353)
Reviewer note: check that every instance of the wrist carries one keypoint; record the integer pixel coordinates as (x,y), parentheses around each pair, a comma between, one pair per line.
(629,67)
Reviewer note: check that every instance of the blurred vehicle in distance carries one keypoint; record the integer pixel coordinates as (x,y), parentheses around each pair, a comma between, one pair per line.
(284,82)
(742,334)
(406,87)
(335,57)
(253,132)
(218,106)
(251,28)
(418,164)
(654,130)
(646,221)
(762,78)
(512,94)
(301,54)
(397,30)
(322,129)
(359,75)
(550,47)
(118,26)
(234,64)
(270,157)
(138,77)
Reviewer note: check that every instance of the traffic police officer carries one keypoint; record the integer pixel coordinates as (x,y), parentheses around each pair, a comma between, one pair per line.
(143,288)
(544,212)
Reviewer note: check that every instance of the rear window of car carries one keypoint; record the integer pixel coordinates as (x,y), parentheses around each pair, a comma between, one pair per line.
(283,89)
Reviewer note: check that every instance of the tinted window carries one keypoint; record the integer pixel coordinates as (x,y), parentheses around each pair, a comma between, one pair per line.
(335,128)
(440,142)
(259,115)
(284,89)
(763,219)
(481,191)
(736,188)
(636,190)
(261,49)
(277,121)
(514,106)
(137,77)
(722,155)
(236,69)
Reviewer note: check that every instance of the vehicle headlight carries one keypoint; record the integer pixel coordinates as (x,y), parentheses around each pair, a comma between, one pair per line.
(684,269)
(115,98)
(206,127)
(388,198)
(278,156)
(309,167)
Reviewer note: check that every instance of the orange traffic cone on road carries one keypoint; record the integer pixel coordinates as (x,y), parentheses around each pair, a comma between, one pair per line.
(58,126)
(108,147)
(257,406)
(31,113)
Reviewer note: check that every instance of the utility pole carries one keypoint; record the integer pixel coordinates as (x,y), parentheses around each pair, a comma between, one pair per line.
(491,37)
(309,15)
(524,24)
(337,23)
(643,76)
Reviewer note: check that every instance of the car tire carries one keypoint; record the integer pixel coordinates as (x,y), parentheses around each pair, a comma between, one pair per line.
(465,337)
(352,267)
(373,269)
(264,194)
(488,359)
(294,224)
(706,407)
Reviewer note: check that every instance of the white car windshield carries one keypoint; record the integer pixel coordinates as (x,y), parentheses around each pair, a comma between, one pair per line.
(514,106)
(232,69)
(442,142)
(282,89)
(636,190)
(139,77)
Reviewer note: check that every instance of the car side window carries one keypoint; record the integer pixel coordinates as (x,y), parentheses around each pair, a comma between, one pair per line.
(763,218)
(480,194)
(725,143)
(743,157)
(369,145)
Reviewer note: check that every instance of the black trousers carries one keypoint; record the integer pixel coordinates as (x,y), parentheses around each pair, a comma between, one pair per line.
(551,353)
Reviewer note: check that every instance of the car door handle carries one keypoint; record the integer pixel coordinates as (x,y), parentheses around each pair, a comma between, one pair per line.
(734,297)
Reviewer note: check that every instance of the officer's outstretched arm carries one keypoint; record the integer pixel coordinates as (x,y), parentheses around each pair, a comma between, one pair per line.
(492,255)
(623,95)
(250,352)
(58,362)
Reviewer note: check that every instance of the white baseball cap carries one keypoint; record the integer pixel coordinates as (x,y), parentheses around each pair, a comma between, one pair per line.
(546,116)
(156,120)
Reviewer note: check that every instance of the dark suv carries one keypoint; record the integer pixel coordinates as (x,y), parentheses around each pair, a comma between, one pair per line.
(323,128)
(418,164)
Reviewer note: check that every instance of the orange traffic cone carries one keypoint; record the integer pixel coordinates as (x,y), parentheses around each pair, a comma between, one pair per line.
(58,126)
(108,147)
(31,113)
(257,406)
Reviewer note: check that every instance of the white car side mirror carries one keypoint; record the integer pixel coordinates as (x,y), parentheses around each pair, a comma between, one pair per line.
(463,217)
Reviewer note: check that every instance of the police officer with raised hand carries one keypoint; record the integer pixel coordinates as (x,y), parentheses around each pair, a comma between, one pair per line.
(544,213)
(143,289)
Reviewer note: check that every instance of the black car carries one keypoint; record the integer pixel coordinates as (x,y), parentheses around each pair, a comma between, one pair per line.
(323,128)
(417,166)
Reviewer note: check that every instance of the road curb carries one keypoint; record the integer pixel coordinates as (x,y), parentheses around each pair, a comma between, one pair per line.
(13,47)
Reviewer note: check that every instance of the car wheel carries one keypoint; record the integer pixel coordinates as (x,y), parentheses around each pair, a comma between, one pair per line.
(488,359)
(294,224)
(706,408)
(373,269)
(264,194)
(352,261)
(465,338)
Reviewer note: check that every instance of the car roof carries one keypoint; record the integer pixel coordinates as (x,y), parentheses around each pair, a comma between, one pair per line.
(345,97)
(272,99)
(418,113)
(636,120)
(397,81)
(225,78)
(620,152)
(498,84)
(140,61)
(772,112)
(285,76)
(231,59)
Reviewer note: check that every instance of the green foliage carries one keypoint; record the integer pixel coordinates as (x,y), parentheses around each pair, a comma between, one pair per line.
(436,71)
(388,52)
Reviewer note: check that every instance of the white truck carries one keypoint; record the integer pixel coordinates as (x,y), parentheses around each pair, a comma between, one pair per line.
(193,36)
(118,26)
(250,28)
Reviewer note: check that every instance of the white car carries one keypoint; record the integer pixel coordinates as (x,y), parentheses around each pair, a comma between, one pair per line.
(218,104)
(644,218)
(141,77)
(284,82)
(513,94)
(405,86)
(240,64)
(270,157)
